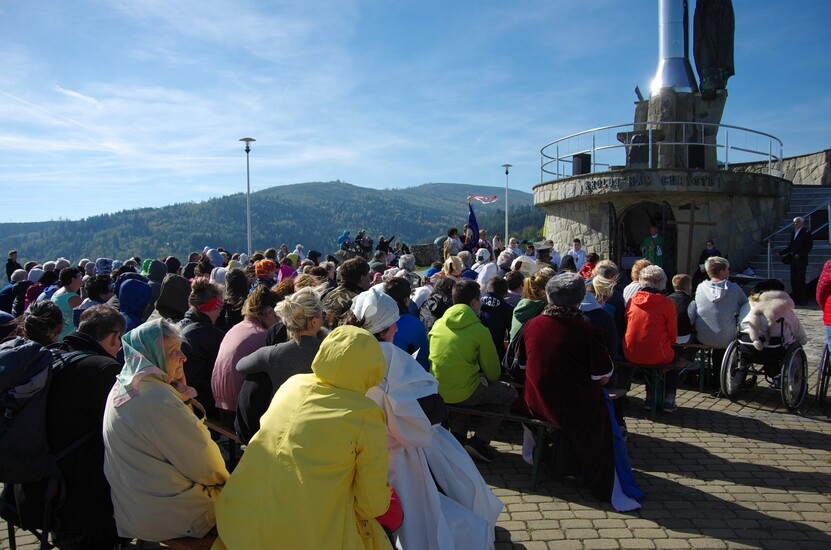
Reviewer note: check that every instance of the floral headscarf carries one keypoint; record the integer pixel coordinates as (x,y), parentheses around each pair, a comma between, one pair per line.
(144,355)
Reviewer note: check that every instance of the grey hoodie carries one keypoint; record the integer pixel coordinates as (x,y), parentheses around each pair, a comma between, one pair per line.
(713,312)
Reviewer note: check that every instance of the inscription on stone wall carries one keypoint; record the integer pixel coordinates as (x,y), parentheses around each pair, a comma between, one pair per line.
(634,181)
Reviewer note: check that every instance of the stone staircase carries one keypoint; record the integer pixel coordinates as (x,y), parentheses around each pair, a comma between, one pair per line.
(804,199)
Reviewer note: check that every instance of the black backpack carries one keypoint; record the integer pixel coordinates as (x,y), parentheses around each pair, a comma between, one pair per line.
(512,361)
(26,370)
(25,375)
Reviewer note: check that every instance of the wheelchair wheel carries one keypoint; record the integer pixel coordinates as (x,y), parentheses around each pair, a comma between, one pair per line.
(823,375)
(794,378)
(732,374)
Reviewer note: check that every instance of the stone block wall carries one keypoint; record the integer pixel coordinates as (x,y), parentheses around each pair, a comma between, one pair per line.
(812,169)
(743,208)
(584,220)
(425,254)
(741,221)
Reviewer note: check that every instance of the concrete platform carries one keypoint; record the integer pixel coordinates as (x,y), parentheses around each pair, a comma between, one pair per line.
(716,473)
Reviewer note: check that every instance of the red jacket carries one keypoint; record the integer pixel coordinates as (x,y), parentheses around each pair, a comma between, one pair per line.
(651,329)
(824,293)
(586,270)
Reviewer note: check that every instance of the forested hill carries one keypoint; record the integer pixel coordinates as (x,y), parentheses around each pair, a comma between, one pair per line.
(313,214)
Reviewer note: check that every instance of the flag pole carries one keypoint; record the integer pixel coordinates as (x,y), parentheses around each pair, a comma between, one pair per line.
(505,236)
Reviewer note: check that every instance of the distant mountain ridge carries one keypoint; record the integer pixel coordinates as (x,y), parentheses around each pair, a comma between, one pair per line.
(313,214)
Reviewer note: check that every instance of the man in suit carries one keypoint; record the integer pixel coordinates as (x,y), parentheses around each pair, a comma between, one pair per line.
(799,247)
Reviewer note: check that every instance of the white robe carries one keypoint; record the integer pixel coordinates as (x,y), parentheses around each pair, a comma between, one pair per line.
(466,515)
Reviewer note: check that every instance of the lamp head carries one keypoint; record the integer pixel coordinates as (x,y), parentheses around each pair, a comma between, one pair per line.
(247,141)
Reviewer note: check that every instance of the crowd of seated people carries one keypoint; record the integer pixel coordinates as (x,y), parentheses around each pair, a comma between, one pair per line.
(295,352)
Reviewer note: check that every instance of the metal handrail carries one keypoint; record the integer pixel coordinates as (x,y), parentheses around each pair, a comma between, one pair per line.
(807,217)
(547,159)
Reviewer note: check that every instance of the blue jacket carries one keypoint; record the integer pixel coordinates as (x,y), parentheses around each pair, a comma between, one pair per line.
(411,336)
(132,299)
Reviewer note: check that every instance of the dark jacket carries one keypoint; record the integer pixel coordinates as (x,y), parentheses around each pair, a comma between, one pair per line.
(155,275)
(19,299)
(11,267)
(278,363)
(173,300)
(7,298)
(682,302)
(800,246)
(707,254)
(200,344)
(433,308)
(230,317)
(75,408)
(496,315)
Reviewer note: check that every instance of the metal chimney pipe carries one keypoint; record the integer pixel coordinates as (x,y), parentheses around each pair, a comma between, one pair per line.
(674,69)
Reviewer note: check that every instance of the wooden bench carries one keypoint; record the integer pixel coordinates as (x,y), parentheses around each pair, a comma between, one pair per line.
(704,358)
(655,380)
(234,442)
(188,543)
(541,430)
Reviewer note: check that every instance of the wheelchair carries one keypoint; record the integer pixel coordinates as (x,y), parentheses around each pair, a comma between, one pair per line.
(784,366)
(823,375)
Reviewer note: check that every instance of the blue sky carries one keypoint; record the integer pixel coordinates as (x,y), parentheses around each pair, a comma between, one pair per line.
(106,106)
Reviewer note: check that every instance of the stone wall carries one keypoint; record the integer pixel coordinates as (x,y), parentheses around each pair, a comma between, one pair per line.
(812,169)
(425,254)
(742,208)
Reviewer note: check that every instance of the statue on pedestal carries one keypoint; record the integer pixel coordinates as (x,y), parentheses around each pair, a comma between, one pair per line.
(713,26)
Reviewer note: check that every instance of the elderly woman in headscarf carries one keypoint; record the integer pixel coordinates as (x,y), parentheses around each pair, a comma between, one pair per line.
(566,366)
(446,502)
(164,470)
(315,474)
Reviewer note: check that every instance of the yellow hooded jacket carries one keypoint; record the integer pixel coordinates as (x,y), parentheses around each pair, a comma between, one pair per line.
(315,475)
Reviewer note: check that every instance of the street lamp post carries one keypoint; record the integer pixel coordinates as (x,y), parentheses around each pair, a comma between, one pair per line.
(248,141)
(507,170)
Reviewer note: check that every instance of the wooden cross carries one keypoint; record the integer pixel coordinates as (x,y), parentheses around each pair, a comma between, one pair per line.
(692,223)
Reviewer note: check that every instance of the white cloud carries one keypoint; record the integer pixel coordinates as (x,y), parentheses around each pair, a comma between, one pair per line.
(149,98)
(76,95)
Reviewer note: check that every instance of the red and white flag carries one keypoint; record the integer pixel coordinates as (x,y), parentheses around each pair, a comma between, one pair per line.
(482,198)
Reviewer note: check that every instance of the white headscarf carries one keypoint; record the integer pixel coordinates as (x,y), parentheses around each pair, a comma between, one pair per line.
(377,310)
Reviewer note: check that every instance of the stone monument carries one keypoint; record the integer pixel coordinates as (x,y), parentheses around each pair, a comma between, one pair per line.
(672,176)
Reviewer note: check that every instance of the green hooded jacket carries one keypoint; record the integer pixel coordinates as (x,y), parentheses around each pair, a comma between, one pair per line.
(461,348)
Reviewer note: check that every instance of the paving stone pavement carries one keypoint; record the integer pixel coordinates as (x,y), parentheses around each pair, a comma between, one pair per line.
(716,474)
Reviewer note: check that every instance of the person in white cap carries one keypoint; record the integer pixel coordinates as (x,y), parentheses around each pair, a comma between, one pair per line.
(446,502)
(485,268)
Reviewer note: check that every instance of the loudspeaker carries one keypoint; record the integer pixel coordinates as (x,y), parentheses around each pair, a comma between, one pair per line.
(581,164)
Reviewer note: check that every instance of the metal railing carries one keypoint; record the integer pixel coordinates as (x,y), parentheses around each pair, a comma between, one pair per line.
(821,215)
(607,149)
